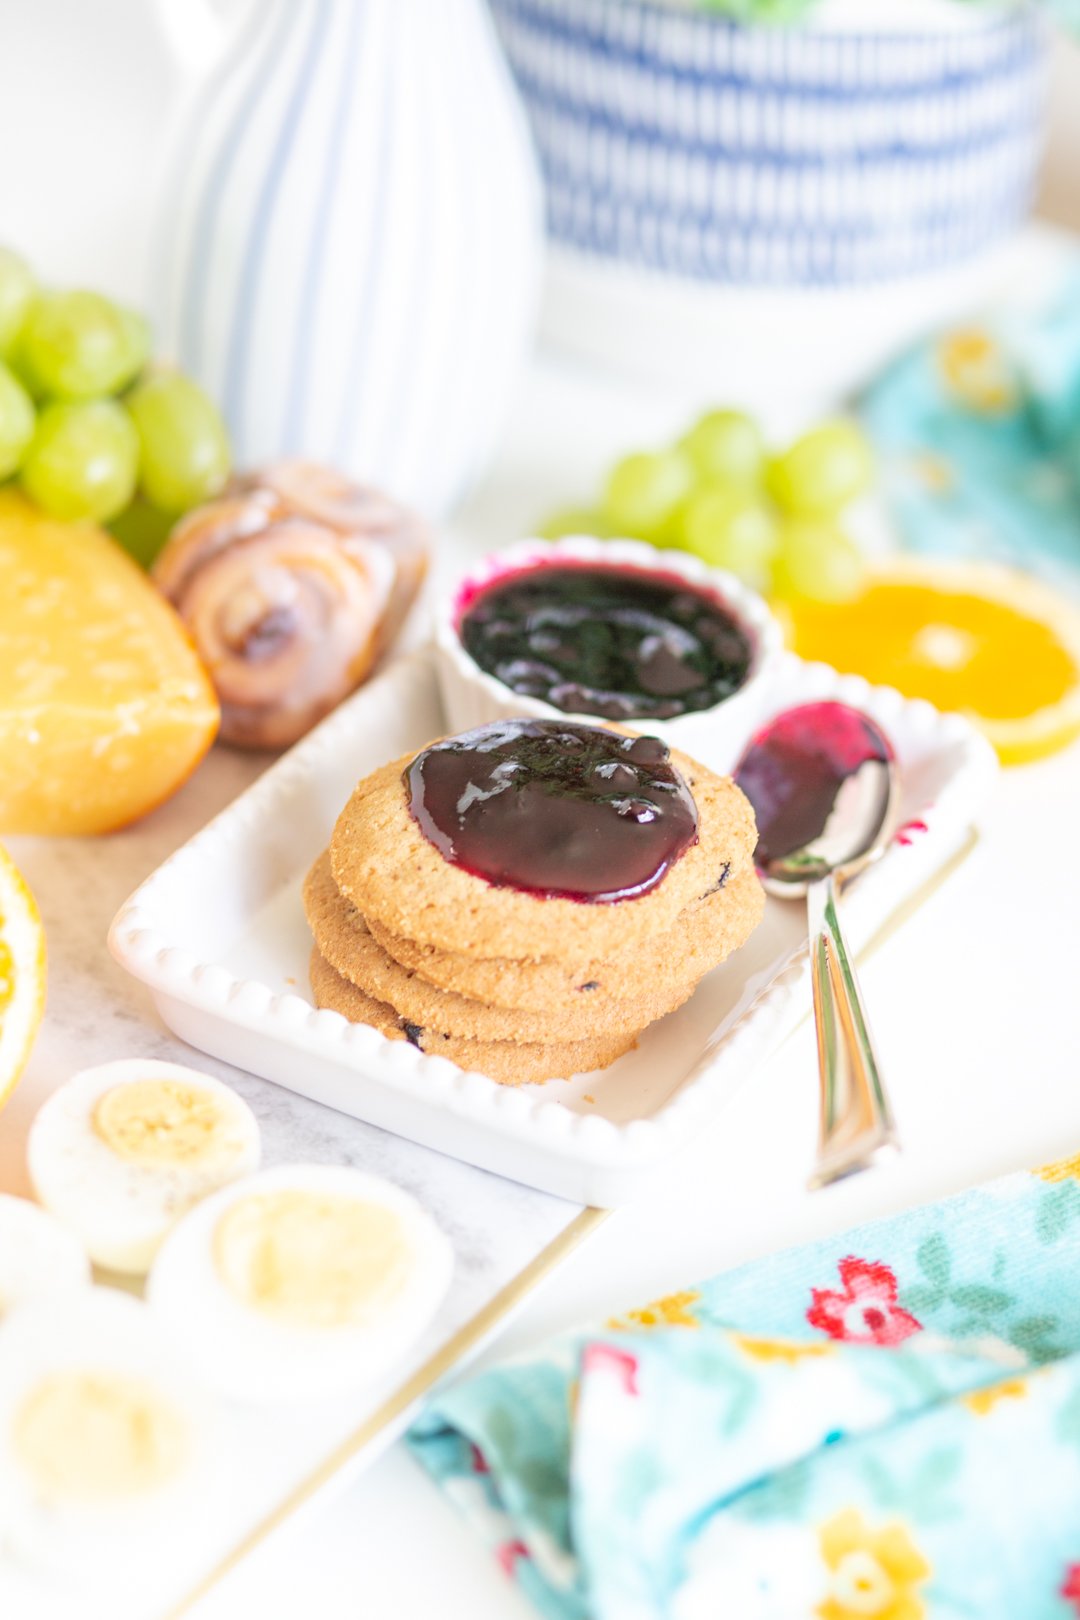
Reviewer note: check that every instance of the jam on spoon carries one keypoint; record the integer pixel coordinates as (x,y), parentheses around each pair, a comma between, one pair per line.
(617,642)
(794,770)
(553,808)
(823,783)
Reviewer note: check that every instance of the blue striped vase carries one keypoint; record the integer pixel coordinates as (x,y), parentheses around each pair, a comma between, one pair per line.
(350,240)
(673,140)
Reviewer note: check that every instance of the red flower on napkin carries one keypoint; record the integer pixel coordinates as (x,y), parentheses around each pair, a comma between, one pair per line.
(618,1362)
(509,1553)
(865,1310)
(1070,1589)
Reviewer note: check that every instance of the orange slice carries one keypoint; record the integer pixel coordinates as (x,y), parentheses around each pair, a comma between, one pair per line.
(987,642)
(105,708)
(22,973)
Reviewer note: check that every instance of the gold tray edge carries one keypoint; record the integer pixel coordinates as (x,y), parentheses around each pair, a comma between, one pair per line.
(456,1349)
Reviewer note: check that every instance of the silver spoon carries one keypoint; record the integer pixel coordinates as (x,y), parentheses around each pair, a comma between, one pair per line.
(823,782)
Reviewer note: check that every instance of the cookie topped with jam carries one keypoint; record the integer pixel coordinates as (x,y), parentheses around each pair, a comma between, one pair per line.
(554,808)
(396,874)
(619,642)
(524,898)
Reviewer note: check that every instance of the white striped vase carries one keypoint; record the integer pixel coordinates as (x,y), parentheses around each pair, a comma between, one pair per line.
(350,239)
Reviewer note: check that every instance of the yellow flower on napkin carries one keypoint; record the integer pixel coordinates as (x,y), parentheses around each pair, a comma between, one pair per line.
(789,1350)
(1060,1170)
(872,1573)
(976,371)
(933,471)
(671,1311)
(981,1401)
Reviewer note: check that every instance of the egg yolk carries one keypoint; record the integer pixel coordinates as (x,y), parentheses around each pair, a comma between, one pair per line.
(88,1436)
(166,1122)
(311,1260)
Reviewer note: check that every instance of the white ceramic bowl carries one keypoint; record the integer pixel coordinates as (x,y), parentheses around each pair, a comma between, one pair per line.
(752,202)
(716,736)
(880,140)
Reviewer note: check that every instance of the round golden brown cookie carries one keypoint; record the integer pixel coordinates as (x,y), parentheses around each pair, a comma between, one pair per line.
(704,935)
(383,863)
(346,942)
(511,1063)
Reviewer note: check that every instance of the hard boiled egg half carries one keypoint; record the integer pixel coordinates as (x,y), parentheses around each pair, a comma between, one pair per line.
(122,1151)
(105,1447)
(37,1255)
(300,1282)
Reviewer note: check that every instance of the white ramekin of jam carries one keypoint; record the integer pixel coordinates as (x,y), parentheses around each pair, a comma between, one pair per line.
(611,630)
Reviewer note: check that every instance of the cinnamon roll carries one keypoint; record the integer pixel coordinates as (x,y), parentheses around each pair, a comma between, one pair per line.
(292,585)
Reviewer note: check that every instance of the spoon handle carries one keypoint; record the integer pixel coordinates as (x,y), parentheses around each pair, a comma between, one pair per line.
(856,1119)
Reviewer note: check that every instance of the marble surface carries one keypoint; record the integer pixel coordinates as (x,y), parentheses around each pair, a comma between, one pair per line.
(97,1013)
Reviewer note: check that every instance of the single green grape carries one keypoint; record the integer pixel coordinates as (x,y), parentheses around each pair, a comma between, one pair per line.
(78,345)
(17,421)
(17,289)
(821,472)
(136,340)
(726,447)
(575,520)
(184,453)
(82,460)
(729,528)
(817,562)
(142,530)
(644,491)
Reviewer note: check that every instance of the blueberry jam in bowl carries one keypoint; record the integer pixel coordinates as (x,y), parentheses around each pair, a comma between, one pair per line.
(609,630)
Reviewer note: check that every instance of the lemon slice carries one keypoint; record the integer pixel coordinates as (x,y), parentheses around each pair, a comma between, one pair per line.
(22,973)
(987,642)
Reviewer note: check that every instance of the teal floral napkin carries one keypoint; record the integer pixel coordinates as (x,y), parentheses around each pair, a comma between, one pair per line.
(884,1425)
(978,434)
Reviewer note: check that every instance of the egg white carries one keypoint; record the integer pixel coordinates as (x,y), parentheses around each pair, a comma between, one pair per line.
(122,1211)
(104,1331)
(38,1255)
(241,1351)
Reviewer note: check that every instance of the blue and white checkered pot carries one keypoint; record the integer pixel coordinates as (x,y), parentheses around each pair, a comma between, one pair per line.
(674,140)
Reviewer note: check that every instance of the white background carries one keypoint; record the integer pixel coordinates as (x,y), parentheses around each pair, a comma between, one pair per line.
(974,1002)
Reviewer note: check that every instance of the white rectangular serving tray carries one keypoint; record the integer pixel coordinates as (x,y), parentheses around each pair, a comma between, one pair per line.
(218,934)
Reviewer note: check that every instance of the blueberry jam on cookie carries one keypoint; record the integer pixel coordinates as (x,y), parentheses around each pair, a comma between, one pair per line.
(561,810)
(617,642)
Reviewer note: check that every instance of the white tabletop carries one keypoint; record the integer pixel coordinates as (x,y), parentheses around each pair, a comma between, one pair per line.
(974,1002)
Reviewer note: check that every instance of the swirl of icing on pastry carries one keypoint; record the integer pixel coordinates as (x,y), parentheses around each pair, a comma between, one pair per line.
(292,585)
(327,496)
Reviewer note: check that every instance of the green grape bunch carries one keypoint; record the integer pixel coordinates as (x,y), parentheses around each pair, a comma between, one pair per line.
(774,520)
(89,427)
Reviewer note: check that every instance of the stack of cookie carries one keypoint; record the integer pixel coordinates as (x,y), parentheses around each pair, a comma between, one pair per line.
(497,964)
